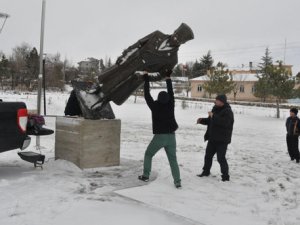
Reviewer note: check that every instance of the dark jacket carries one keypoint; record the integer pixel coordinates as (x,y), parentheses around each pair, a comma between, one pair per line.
(291,127)
(219,127)
(73,107)
(163,118)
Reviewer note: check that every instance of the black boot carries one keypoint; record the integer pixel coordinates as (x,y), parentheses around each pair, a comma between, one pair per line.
(203,174)
(143,178)
(178,185)
(297,161)
(225,178)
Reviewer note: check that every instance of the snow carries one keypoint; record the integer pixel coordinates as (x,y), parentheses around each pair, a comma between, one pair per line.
(90,99)
(128,54)
(141,73)
(264,186)
(235,77)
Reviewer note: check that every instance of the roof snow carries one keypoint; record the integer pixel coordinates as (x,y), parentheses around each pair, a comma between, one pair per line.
(235,77)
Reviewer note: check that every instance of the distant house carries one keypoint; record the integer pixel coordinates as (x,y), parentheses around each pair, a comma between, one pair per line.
(91,65)
(244,89)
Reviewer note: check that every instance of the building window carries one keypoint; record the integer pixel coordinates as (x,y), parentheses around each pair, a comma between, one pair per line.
(199,88)
(253,89)
(242,88)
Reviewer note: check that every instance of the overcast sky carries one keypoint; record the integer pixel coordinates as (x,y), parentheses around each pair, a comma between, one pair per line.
(236,31)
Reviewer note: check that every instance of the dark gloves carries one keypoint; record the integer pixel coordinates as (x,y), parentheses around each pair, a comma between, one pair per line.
(168,72)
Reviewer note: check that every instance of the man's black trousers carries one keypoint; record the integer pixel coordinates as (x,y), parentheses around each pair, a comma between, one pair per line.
(292,144)
(212,148)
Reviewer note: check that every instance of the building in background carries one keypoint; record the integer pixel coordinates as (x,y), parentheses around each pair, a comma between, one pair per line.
(91,65)
(244,88)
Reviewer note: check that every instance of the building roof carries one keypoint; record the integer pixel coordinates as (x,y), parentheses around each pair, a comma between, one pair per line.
(182,79)
(237,77)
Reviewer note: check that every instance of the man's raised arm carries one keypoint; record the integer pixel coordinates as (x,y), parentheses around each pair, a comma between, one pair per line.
(147,95)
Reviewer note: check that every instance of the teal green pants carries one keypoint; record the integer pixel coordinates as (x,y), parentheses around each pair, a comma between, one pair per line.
(167,141)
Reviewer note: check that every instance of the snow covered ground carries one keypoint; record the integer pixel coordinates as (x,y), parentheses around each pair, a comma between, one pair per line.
(264,187)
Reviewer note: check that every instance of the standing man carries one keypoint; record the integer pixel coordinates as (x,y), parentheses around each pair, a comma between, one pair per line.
(219,131)
(293,127)
(164,126)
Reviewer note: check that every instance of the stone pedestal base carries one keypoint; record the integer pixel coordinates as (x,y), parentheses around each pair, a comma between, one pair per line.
(88,143)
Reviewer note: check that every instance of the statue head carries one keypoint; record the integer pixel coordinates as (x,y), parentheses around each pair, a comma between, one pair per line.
(181,35)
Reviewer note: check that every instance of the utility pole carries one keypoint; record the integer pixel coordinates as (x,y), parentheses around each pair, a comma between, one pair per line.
(40,77)
(44,85)
(284,51)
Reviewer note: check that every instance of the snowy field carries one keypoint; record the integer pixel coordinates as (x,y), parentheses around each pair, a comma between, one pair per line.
(264,187)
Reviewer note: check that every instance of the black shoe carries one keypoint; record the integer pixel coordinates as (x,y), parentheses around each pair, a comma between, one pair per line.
(297,161)
(203,174)
(143,178)
(38,130)
(178,185)
(225,178)
(292,159)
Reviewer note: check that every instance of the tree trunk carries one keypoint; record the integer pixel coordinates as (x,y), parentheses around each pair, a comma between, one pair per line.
(277,108)
(12,81)
(135,97)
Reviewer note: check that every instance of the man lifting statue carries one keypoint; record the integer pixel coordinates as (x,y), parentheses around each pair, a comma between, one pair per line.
(155,53)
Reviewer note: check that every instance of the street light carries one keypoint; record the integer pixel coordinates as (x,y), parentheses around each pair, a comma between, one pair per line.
(5,16)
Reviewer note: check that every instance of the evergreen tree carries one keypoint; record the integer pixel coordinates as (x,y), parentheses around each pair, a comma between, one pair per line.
(267,61)
(3,69)
(281,84)
(206,63)
(220,82)
(262,87)
(32,64)
(197,69)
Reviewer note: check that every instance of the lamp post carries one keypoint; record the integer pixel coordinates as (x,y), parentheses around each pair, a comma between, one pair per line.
(44,83)
(5,16)
(40,77)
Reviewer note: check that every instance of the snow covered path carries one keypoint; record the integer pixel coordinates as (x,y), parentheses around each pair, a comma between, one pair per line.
(264,187)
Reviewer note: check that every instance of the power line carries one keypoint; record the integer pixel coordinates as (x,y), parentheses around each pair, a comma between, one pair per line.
(273,48)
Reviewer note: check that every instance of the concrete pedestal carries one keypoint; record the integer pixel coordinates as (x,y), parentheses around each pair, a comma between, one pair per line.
(88,143)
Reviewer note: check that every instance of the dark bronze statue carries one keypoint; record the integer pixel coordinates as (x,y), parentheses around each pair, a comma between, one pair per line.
(156,53)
